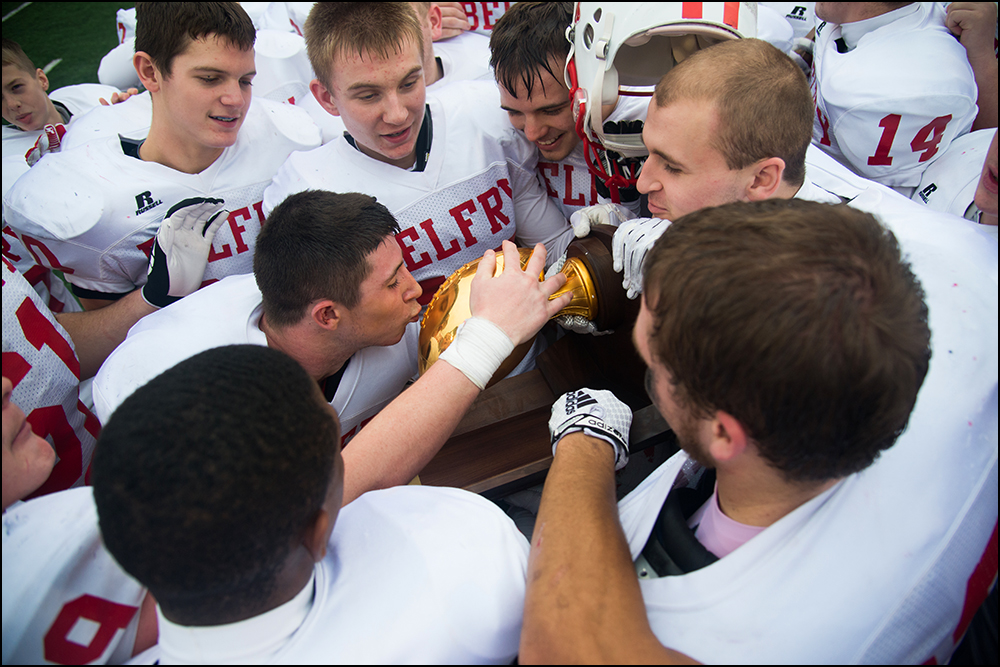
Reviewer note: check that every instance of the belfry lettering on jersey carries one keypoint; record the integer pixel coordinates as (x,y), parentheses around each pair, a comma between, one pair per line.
(237,225)
(465,215)
(558,179)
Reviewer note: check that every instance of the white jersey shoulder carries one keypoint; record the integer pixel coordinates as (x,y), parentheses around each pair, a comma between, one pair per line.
(412,575)
(950,183)
(569,182)
(774,29)
(65,599)
(834,547)
(478,187)
(801,16)
(98,227)
(228,313)
(465,57)
(40,361)
(891,106)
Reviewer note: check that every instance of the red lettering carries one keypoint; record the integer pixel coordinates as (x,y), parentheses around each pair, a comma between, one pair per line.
(978,585)
(464,223)
(554,168)
(111,616)
(442,252)
(429,287)
(121,32)
(259,210)
(470,13)
(488,13)
(505,186)
(825,124)
(691,10)
(51,261)
(890,124)
(6,245)
(15,367)
(493,206)
(571,201)
(922,143)
(593,189)
(237,229)
(215,255)
(147,246)
(423,260)
(51,423)
(39,332)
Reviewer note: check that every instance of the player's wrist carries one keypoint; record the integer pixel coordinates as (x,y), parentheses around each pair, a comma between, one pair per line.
(479,347)
(583,444)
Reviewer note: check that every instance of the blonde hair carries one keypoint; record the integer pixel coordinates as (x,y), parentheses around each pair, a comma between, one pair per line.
(335,29)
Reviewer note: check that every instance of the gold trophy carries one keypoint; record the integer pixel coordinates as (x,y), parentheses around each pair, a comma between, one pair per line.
(596,288)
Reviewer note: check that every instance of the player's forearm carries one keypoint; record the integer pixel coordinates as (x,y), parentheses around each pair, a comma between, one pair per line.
(583,602)
(96,333)
(396,445)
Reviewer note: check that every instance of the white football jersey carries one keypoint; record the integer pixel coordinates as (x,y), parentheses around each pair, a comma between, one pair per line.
(40,361)
(228,313)
(78,99)
(412,575)
(950,183)
(891,105)
(99,225)
(569,182)
(464,57)
(65,599)
(483,16)
(477,190)
(801,16)
(900,554)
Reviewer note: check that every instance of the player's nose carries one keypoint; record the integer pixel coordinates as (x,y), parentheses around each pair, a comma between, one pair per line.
(533,129)
(646,183)
(412,289)
(232,95)
(395,112)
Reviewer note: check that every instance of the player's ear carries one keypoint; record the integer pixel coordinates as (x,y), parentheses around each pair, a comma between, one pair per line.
(728,437)
(766,179)
(43,79)
(327,314)
(324,97)
(434,16)
(149,75)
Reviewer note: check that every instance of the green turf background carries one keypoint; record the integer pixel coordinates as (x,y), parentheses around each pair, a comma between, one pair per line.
(80,33)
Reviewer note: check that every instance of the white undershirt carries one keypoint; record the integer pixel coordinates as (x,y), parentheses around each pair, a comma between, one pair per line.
(253,640)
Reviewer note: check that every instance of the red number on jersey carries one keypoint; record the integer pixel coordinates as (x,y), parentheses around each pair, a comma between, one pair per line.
(110,616)
(933,129)
(927,138)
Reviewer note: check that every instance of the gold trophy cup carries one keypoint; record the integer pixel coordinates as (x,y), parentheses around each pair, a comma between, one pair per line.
(596,289)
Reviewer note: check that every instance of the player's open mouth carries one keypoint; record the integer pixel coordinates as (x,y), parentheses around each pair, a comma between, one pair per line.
(398,137)
(23,120)
(549,144)
(224,119)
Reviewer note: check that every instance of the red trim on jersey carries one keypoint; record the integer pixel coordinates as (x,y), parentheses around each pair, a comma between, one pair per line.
(979,585)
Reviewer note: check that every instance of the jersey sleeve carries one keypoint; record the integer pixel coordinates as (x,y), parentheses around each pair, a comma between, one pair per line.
(894,141)
(286,182)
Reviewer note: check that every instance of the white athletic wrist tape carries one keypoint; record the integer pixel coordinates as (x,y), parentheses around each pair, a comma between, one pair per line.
(478,350)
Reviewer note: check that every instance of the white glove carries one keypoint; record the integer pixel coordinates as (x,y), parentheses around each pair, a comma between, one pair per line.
(50,141)
(599,214)
(596,412)
(631,242)
(180,252)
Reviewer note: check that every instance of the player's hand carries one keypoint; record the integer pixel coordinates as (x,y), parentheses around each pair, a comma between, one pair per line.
(974,23)
(515,300)
(585,218)
(119,97)
(596,412)
(631,242)
(50,141)
(180,252)
(453,19)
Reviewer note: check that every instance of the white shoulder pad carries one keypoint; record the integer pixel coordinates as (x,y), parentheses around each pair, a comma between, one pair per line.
(288,121)
(58,198)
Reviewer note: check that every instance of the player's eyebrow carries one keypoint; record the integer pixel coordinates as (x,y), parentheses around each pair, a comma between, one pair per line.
(666,158)
(551,107)
(216,70)
(394,273)
(364,84)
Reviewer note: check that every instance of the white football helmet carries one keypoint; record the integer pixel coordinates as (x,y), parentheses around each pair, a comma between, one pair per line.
(625,49)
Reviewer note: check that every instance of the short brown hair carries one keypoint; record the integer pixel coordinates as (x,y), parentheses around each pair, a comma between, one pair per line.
(13,54)
(762,98)
(526,39)
(335,29)
(799,319)
(315,245)
(164,29)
